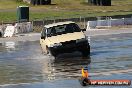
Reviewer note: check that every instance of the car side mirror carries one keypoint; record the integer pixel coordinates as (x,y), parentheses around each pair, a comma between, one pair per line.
(83,30)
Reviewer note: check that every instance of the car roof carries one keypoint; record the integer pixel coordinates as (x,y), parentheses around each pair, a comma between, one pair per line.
(59,23)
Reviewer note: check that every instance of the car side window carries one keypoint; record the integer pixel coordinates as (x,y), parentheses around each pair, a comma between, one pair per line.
(60,29)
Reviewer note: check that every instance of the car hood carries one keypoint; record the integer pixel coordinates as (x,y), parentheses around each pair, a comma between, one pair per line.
(66,37)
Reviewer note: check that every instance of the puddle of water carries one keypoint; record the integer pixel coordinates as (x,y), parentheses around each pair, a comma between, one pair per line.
(110,56)
(10,45)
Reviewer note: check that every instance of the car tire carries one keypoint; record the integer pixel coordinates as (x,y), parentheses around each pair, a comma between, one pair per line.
(51,54)
(48,51)
(55,55)
(86,53)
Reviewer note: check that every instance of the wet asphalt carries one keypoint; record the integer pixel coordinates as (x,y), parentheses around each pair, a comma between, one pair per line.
(22,65)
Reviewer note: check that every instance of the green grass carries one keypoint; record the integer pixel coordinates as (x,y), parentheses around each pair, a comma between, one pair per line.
(65,9)
(7,16)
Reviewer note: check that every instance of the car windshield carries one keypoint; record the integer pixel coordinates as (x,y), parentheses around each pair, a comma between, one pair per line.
(62,29)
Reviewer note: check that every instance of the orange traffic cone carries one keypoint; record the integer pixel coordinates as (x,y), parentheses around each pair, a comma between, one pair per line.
(85,73)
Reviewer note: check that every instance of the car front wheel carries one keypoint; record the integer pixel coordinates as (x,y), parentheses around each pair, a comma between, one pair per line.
(86,52)
(51,53)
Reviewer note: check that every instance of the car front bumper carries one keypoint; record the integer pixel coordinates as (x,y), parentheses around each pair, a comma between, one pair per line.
(68,48)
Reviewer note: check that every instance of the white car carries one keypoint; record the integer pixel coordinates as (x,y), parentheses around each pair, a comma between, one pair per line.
(64,37)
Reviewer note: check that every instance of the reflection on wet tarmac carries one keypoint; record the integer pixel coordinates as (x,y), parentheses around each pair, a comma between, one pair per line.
(23,62)
(26,64)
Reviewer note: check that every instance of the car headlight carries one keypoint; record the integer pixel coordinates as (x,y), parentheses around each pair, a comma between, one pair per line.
(80,40)
(55,44)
